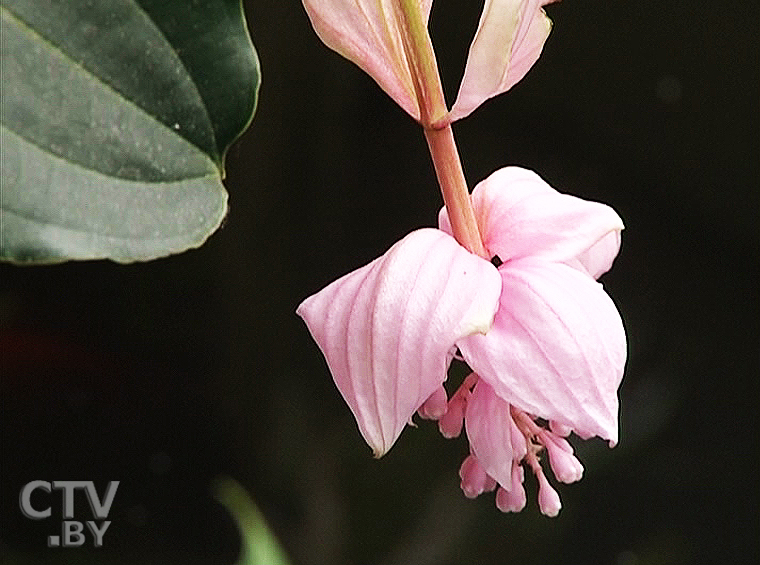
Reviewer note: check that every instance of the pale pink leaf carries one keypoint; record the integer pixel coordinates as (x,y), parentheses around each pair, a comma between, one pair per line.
(367,32)
(509,40)
(557,347)
(386,329)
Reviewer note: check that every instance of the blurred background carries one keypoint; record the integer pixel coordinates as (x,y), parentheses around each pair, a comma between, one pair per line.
(168,374)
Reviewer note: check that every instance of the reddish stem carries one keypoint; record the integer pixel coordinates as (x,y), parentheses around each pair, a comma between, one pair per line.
(443,149)
(456,197)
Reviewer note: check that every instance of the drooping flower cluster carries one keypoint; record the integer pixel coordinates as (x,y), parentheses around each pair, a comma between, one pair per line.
(507,283)
(542,337)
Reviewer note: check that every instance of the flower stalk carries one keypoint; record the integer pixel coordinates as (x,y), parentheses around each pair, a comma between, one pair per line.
(440,141)
(422,63)
(456,197)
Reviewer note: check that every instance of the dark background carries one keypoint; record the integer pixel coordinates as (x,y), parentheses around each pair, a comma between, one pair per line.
(168,374)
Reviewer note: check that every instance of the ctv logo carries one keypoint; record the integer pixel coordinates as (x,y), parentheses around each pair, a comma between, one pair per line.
(72,531)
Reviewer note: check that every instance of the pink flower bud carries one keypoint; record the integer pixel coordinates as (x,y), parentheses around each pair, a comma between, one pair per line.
(452,421)
(475,481)
(564,464)
(435,406)
(512,500)
(548,499)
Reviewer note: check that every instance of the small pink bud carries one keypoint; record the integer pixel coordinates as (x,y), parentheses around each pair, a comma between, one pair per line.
(435,406)
(452,421)
(512,500)
(564,464)
(548,499)
(474,478)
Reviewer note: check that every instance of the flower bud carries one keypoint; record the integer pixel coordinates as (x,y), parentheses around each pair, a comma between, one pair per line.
(548,499)
(435,406)
(564,464)
(475,481)
(452,421)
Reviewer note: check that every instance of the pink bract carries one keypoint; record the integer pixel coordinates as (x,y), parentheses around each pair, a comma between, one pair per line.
(368,33)
(508,41)
(387,329)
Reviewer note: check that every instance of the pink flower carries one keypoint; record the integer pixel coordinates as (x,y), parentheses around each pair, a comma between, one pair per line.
(543,339)
(374,34)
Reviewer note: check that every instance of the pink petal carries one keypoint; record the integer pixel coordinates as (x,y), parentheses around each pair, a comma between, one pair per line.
(520,215)
(386,329)
(509,40)
(367,32)
(489,430)
(556,349)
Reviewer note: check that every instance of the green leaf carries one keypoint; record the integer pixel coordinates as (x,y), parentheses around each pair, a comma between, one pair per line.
(260,547)
(115,118)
